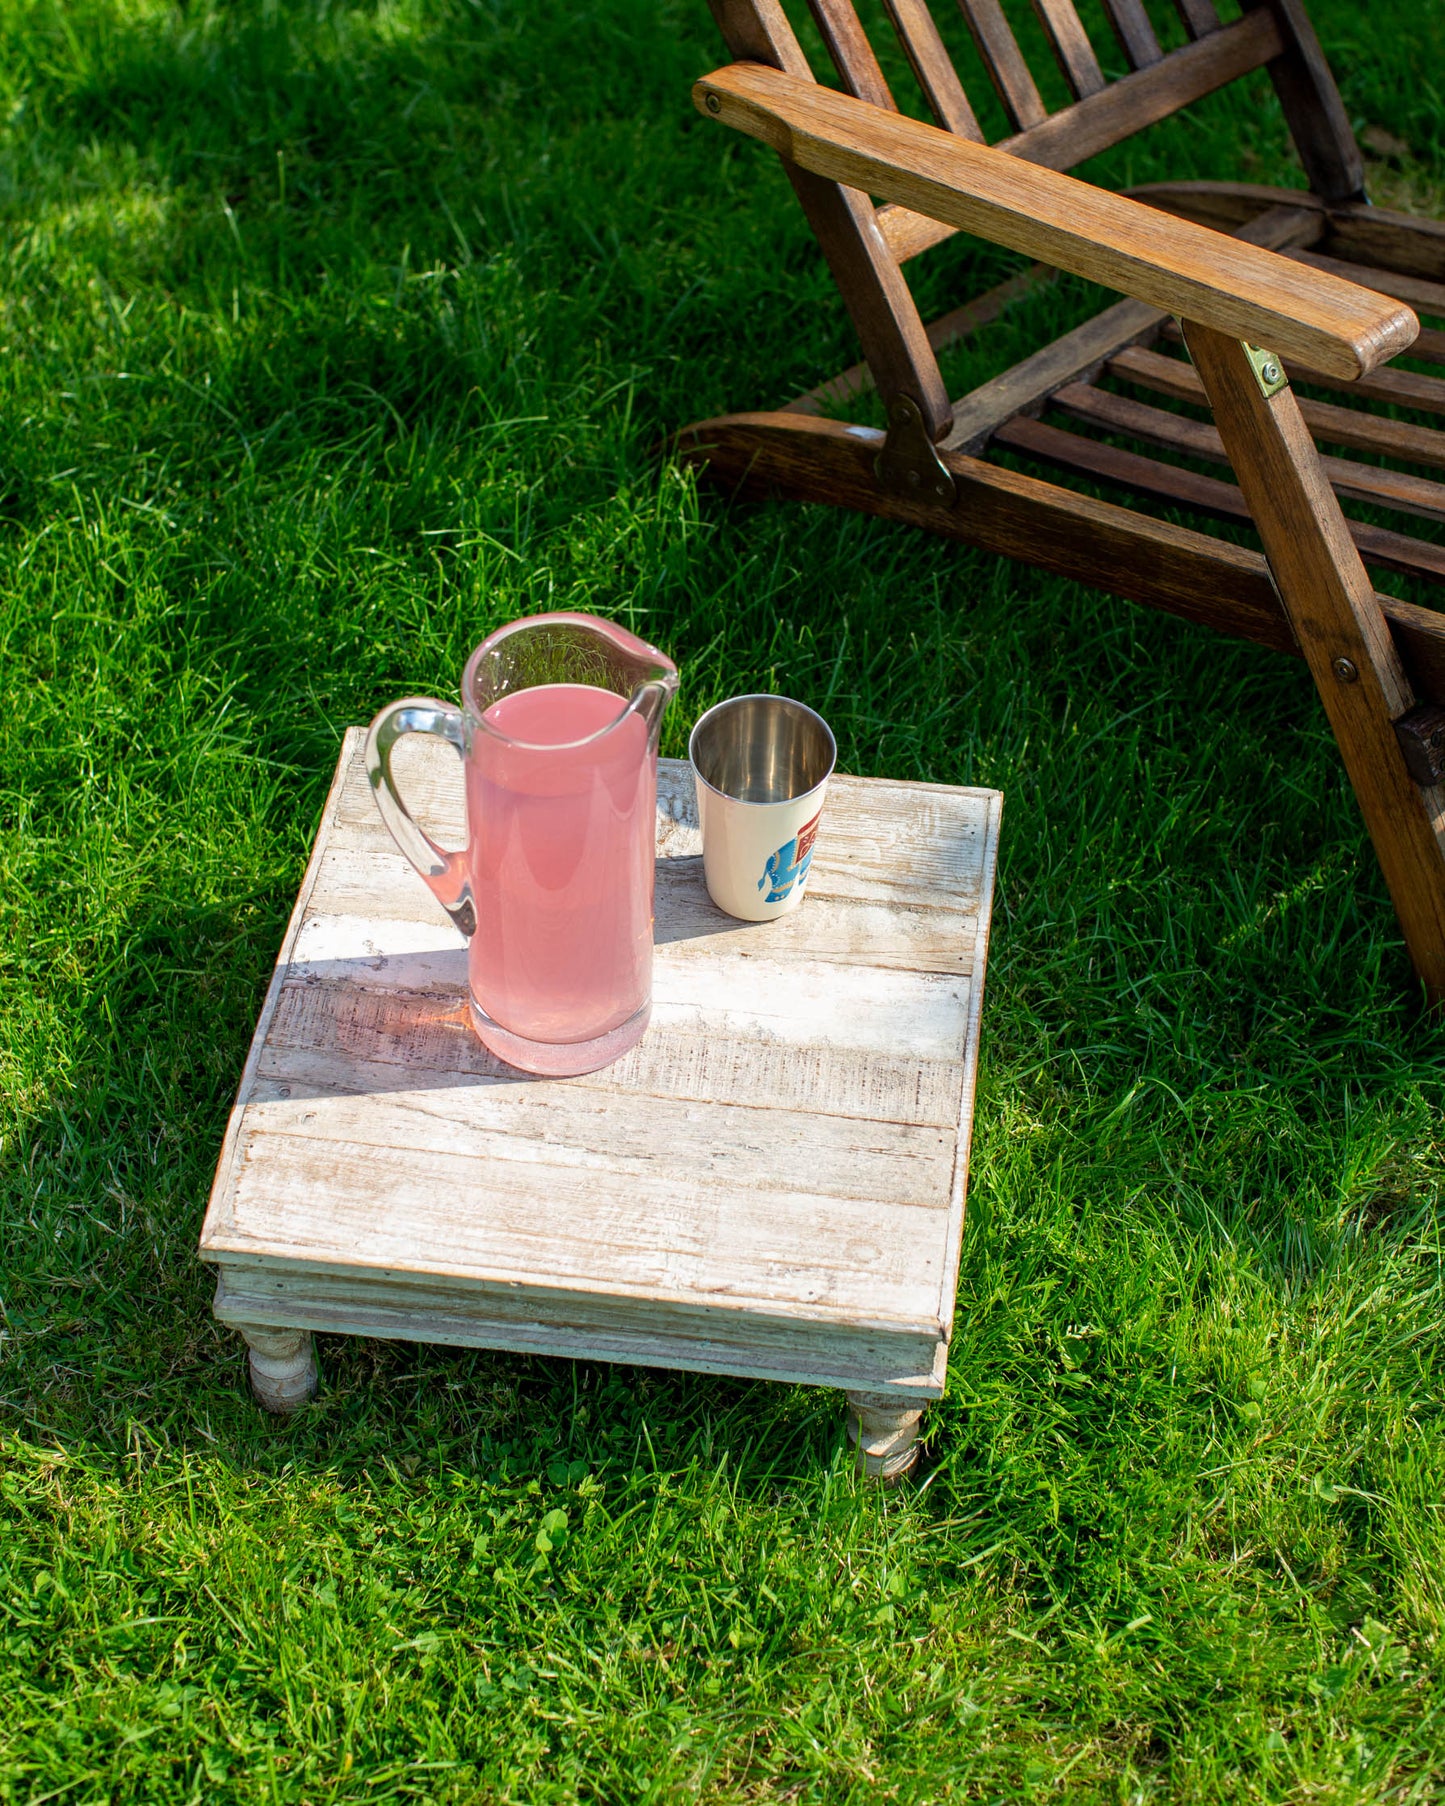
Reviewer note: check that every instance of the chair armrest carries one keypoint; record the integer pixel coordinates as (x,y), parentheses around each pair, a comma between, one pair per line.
(1252,294)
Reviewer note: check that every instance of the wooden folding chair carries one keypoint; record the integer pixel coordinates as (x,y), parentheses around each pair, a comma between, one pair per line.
(1308,284)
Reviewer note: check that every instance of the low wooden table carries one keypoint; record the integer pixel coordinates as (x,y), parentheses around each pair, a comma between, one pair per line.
(771,1184)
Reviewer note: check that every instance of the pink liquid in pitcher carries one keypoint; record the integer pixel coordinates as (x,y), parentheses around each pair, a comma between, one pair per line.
(561,863)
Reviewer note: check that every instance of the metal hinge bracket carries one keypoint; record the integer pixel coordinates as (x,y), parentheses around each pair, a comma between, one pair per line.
(909,463)
(1268,369)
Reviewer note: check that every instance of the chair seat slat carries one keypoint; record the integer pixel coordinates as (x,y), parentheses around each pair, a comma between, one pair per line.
(1397,489)
(1112,464)
(934,68)
(1071,46)
(1394,387)
(852,54)
(1352,427)
(1134,31)
(1004,61)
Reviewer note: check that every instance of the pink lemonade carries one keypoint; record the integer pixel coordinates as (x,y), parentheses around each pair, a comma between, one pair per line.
(562,841)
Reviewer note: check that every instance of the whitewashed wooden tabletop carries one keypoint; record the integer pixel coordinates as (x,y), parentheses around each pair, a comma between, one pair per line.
(782,1160)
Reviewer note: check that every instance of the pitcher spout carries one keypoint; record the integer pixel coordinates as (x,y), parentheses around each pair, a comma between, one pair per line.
(571,649)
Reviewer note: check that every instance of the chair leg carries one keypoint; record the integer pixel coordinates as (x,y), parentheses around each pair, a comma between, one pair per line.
(1341,631)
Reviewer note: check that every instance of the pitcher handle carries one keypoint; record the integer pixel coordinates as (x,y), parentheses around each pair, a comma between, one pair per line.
(447,874)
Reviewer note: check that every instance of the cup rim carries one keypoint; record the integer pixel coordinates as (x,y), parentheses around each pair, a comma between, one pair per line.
(782,802)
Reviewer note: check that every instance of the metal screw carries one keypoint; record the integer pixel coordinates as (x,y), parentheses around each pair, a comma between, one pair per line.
(1344,669)
(1271,372)
(714,105)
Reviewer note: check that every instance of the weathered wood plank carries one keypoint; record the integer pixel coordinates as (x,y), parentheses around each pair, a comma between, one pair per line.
(1391,385)
(1061,140)
(933,67)
(851,52)
(1428,297)
(1077,355)
(1342,632)
(749,1344)
(1311,103)
(1071,44)
(1391,241)
(528,1135)
(1352,427)
(946,330)
(669,1235)
(1135,32)
(1397,489)
(1223,586)
(999,51)
(1199,16)
(1141,252)
(426,1032)
(881,840)
(1126,106)
(364,885)
(1172,483)
(771,1182)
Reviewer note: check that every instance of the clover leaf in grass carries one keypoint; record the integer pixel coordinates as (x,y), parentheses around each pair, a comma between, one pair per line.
(553,1533)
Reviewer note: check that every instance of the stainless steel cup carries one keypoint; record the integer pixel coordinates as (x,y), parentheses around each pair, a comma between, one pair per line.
(762,765)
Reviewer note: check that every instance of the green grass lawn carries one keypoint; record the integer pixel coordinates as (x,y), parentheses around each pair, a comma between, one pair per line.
(336,333)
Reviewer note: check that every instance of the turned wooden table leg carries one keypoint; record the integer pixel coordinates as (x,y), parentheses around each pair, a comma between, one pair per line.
(283,1365)
(883,1429)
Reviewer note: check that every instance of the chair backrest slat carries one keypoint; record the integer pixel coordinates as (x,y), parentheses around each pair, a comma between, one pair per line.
(865,246)
(1199,17)
(933,67)
(1072,47)
(852,54)
(1134,31)
(1004,61)
(1124,107)
(1149,95)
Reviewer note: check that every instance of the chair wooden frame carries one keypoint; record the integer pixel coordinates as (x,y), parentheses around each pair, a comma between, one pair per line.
(1323,280)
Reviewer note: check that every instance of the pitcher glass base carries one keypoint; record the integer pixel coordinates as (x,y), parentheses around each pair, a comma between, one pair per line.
(559,1059)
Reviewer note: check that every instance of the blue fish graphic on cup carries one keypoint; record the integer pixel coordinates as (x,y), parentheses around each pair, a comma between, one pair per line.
(789,865)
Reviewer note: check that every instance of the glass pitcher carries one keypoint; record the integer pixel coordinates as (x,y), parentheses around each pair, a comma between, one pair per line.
(557,733)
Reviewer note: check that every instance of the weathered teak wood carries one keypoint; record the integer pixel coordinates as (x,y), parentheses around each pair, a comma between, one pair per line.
(1408,494)
(1428,297)
(1134,31)
(1127,470)
(770,1184)
(928,184)
(1079,354)
(1354,427)
(1106,238)
(933,67)
(1006,67)
(1173,568)
(947,330)
(1060,140)
(1199,16)
(1342,634)
(846,226)
(1071,46)
(1395,388)
(1312,105)
(852,54)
